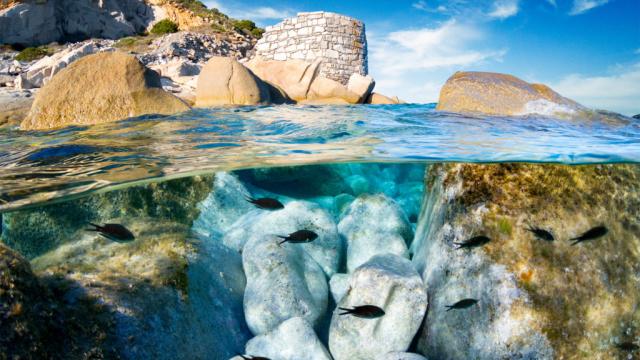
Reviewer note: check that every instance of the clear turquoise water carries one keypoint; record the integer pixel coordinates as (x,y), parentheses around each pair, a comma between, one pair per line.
(46,166)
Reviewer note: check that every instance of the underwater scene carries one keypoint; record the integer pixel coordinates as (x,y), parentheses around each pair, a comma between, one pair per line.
(322,232)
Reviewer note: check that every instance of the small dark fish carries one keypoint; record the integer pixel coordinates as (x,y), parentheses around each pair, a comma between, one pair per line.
(475,241)
(462,304)
(250,357)
(596,232)
(627,346)
(266,203)
(114,232)
(364,311)
(541,234)
(300,236)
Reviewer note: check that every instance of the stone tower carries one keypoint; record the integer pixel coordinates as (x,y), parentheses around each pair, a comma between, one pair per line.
(338,40)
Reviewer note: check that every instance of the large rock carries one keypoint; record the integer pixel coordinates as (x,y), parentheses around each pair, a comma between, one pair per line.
(294,77)
(326,89)
(537,299)
(327,250)
(391,283)
(14,105)
(44,69)
(224,81)
(500,94)
(379,99)
(368,236)
(294,339)
(400,356)
(100,88)
(361,85)
(34,22)
(283,282)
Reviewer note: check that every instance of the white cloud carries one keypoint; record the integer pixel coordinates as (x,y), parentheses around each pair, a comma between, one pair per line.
(402,62)
(256,14)
(582,6)
(616,92)
(552,3)
(503,9)
(420,5)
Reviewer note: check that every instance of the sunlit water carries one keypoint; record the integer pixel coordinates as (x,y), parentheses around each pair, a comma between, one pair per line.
(44,166)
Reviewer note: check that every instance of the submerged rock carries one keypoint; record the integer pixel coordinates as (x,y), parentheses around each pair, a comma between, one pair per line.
(500,94)
(372,225)
(293,339)
(339,284)
(401,356)
(327,250)
(224,81)
(391,283)
(283,282)
(100,88)
(537,299)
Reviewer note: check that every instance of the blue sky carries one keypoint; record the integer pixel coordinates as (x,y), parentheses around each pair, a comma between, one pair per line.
(588,50)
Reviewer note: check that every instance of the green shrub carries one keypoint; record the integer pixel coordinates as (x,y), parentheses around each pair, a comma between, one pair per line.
(165,26)
(244,25)
(257,32)
(125,42)
(32,53)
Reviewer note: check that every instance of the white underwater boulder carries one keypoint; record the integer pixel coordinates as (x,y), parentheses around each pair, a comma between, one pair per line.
(372,225)
(293,339)
(401,356)
(339,284)
(326,250)
(391,283)
(283,282)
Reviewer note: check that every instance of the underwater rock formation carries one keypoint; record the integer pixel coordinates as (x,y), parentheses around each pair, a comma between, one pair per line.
(339,284)
(120,87)
(293,339)
(283,281)
(327,250)
(391,283)
(500,94)
(368,235)
(536,298)
(401,356)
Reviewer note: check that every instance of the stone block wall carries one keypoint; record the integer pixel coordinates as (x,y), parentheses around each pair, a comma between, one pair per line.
(338,40)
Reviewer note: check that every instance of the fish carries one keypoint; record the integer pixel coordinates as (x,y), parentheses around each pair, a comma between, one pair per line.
(363,311)
(462,304)
(541,234)
(627,346)
(300,236)
(475,241)
(594,233)
(251,357)
(114,232)
(266,203)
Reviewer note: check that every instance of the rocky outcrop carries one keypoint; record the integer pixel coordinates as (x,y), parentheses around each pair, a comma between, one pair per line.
(34,22)
(536,298)
(14,105)
(379,99)
(338,41)
(400,356)
(294,339)
(361,85)
(224,81)
(121,87)
(367,236)
(500,94)
(391,283)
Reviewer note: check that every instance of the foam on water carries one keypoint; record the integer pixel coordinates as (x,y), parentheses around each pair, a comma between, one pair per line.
(39,167)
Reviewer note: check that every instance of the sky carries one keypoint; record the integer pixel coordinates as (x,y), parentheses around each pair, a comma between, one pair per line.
(587,50)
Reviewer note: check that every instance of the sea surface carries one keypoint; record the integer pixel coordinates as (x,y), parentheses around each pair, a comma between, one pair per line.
(37,167)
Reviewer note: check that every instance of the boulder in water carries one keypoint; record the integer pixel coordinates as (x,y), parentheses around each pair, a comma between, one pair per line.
(391,283)
(283,282)
(367,236)
(327,250)
(100,88)
(361,85)
(500,94)
(293,339)
(401,356)
(536,298)
(224,81)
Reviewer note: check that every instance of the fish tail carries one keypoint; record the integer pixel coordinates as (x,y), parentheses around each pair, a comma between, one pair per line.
(96,227)
(575,242)
(249,199)
(283,241)
(346,311)
(449,307)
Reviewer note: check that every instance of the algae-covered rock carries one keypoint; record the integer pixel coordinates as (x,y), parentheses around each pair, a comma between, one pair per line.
(100,88)
(500,94)
(294,339)
(282,282)
(536,298)
(372,225)
(35,231)
(327,250)
(391,283)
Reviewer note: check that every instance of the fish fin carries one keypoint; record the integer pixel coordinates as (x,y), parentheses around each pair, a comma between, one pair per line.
(96,227)
(250,199)
(283,241)
(346,311)
(576,242)
(449,307)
